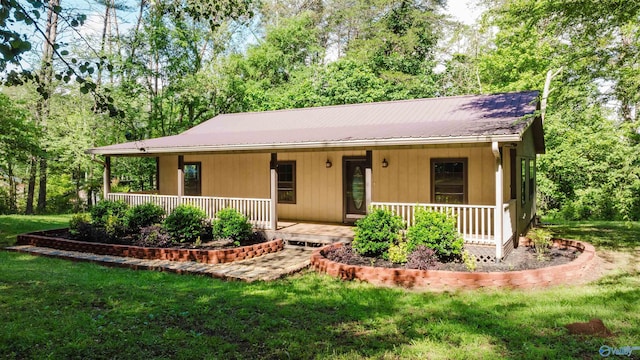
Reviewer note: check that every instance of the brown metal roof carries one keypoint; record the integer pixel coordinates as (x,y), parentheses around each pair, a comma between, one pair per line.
(458,119)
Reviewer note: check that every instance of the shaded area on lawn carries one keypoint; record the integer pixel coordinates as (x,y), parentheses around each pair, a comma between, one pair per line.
(13,225)
(61,309)
(611,235)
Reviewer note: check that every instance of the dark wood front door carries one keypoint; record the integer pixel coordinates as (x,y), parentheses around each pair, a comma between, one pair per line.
(354,188)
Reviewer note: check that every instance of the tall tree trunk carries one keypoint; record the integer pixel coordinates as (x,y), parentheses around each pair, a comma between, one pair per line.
(46,77)
(42,186)
(13,204)
(31,187)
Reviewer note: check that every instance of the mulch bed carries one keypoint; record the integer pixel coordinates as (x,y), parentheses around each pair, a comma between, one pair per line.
(521,258)
(207,245)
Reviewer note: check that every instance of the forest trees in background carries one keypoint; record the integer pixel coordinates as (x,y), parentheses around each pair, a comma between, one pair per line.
(592,166)
(157,68)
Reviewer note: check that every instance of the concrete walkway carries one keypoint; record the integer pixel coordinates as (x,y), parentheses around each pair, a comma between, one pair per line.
(266,267)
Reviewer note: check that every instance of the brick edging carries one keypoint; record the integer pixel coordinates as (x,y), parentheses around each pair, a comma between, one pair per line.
(454,280)
(150,253)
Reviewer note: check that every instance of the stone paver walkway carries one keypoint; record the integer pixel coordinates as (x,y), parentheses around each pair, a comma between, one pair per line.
(266,267)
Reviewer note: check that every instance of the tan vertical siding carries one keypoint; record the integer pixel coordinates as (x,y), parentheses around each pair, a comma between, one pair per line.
(319,193)
(408,177)
(506,171)
(318,188)
(526,212)
(168,175)
(224,175)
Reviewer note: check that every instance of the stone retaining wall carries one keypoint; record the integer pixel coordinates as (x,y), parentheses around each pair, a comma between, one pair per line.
(454,280)
(148,253)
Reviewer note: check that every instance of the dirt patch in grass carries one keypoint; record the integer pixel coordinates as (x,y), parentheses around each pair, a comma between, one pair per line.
(522,258)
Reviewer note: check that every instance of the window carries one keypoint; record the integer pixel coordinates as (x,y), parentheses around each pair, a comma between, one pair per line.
(287,182)
(449,181)
(532,178)
(192,179)
(523,181)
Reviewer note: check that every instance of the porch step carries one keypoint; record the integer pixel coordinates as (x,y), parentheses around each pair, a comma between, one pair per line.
(305,240)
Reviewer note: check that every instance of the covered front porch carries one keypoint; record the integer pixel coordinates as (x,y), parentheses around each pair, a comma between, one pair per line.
(476,223)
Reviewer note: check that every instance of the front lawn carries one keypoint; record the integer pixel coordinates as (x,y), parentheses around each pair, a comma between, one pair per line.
(53,308)
(610,235)
(13,225)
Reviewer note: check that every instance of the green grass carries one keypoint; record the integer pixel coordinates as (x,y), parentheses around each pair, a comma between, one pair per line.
(13,225)
(59,309)
(610,235)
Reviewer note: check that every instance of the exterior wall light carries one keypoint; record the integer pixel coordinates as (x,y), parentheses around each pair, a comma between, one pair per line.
(385,163)
(328,163)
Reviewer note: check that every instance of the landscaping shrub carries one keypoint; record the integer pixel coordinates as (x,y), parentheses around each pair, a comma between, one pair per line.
(399,252)
(231,224)
(185,223)
(143,215)
(81,228)
(436,231)
(376,232)
(154,236)
(90,233)
(102,210)
(470,261)
(541,239)
(77,222)
(422,258)
(115,228)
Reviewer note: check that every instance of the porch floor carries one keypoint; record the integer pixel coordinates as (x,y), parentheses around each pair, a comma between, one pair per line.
(310,233)
(316,234)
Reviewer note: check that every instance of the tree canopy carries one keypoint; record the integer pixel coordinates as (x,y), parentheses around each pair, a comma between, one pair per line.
(130,70)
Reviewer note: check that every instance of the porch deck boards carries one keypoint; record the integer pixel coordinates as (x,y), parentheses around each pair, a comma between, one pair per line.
(311,233)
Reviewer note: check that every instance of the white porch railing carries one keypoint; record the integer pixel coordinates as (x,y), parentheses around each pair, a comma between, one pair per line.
(475,222)
(256,210)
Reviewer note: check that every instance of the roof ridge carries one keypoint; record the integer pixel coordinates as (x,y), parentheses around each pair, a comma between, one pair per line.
(374,103)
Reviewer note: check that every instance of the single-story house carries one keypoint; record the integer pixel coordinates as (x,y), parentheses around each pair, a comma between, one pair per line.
(472,156)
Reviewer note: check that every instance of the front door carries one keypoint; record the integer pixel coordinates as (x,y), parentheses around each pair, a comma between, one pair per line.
(354,188)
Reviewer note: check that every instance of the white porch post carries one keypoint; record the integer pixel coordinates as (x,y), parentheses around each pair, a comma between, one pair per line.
(180,178)
(368,179)
(106,177)
(498,216)
(274,191)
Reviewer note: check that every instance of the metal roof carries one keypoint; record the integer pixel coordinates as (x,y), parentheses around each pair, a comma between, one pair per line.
(445,120)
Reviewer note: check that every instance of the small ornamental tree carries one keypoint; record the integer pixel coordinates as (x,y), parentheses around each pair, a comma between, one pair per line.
(437,231)
(185,223)
(376,232)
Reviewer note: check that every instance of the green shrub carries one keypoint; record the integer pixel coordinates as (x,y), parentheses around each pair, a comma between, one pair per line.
(541,239)
(77,222)
(398,252)
(153,236)
(101,212)
(436,231)
(231,224)
(376,232)
(115,227)
(143,215)
(185,223)
(470,261)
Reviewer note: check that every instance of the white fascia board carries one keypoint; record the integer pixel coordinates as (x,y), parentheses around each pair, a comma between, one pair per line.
(312,145)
